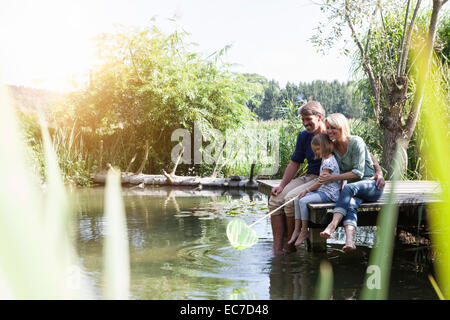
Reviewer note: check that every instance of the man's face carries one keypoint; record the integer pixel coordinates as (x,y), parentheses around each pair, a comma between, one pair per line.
(311,122)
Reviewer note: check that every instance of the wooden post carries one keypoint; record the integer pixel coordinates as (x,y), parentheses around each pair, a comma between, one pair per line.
(317,243)
(252,171)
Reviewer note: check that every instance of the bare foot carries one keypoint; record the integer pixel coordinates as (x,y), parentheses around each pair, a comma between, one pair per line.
(328,232)
(302,237)
(295,235)
(277,252)
(289,248)
(349,246)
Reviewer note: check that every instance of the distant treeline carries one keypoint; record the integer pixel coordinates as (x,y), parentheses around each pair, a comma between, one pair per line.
(25,98)
(273,102)
(270,101)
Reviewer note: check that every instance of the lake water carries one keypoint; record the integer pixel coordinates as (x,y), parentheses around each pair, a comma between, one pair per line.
(179,250)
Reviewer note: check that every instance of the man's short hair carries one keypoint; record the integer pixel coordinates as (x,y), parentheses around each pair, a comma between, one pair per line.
(312,108)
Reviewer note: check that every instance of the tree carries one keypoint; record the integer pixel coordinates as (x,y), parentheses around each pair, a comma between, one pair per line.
(384,56)
(148,84)
(270,102)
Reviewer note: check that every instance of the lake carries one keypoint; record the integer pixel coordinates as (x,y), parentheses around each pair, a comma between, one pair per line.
(179,250)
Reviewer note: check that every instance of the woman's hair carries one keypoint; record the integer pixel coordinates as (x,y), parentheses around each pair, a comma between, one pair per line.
(339,121)
(324,143)
(312,108)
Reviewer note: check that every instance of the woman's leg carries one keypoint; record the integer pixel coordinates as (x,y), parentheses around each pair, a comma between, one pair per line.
(350,223)
(329,230)
(349,244)
(347,206)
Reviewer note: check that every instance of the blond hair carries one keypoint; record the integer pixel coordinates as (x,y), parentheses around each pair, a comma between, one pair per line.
(312,108)
(340,122)
(324,143)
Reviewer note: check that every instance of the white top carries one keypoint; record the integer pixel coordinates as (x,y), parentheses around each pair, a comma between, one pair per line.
(331,189)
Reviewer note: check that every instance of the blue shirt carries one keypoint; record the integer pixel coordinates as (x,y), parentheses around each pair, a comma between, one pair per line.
(304,151)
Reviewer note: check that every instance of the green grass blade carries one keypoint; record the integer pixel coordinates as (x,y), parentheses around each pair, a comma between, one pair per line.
(116,248)
(58,209)
(325,283)
(376,285)
(30,266)
(436,151)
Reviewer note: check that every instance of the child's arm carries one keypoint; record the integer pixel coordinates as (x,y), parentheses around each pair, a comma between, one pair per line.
(315,186)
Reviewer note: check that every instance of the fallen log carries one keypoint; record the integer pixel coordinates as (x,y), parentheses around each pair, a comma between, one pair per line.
(160,179)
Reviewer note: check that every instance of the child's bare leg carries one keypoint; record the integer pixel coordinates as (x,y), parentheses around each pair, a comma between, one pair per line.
(349,244)
(329,230)
(304,233)
(296,232)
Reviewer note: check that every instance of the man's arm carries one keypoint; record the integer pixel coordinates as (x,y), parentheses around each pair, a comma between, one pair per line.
(289,174)
(378,173)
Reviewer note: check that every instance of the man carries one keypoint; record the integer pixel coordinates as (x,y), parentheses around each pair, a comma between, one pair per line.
(312,114)
(283,220)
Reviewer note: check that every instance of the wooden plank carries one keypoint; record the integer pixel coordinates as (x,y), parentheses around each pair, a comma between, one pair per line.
(405,187)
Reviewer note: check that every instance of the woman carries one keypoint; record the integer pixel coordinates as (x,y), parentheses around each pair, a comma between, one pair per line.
(356,165)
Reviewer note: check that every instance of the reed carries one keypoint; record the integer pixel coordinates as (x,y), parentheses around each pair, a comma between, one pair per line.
(435,116)
(34,241)
(38,257)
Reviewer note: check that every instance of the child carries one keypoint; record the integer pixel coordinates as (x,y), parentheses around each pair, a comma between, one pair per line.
(323,148)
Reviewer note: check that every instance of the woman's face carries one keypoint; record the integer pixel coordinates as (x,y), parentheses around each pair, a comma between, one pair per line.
(333,133)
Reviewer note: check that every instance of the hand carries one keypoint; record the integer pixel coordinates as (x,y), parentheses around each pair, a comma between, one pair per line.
(324,178)
(302,193)
(277,190)
(380,180)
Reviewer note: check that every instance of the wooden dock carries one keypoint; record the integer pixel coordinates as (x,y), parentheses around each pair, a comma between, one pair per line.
(412,198)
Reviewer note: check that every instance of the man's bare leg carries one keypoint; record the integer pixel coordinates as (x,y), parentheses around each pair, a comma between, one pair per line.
(329,230)
(278,228)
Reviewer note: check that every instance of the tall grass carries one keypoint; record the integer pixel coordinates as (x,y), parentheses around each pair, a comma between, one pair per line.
(31,231)
(376,285)
(75,161)
(436,152)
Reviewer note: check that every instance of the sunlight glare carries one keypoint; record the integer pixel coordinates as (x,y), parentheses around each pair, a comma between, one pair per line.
(48,41)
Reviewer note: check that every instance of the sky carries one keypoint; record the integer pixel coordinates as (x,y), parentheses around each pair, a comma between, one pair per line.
(49,43)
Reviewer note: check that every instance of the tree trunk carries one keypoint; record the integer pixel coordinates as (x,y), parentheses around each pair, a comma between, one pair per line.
(394,132)
(391,138)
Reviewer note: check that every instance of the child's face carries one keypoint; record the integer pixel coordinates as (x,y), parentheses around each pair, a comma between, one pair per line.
(316,150)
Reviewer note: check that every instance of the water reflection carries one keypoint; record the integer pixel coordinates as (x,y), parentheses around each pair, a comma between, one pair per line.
(179,250)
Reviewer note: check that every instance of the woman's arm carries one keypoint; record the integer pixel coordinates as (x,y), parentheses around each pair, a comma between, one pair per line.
(325,178)
(315,186)
(356,149)
(378,173)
